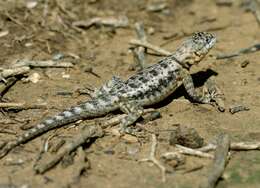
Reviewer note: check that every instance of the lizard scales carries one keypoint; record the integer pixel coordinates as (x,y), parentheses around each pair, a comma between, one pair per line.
(146,87)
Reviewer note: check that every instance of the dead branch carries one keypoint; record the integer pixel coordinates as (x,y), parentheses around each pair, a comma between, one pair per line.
(150,46)
(138,52)
(220,159)
(234,146)
(14,20)
(8,83)
(79,139)
(245,146)
(152,158)
(82,165)
(247,50)
(99,21)
(254,7)
(5,73)
(193,152)
(21,106)
(47,63)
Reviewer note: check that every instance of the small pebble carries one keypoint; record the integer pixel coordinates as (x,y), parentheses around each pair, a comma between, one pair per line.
(31,4)
(244,63)
(64,75)
(238,108)
(109,152)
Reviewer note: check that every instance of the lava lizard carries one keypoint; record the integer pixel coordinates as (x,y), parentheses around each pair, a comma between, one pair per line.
(147,87)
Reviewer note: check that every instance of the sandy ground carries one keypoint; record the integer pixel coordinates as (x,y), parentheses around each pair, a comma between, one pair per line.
(42,32)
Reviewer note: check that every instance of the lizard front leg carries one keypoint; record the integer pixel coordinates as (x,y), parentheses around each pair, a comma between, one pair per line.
(133,111)
(195,94)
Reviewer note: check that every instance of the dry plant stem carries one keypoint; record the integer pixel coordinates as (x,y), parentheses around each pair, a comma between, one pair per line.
(250,49)
(254,7)
(220,159)
(21,106)
(47,63)
(139,51)
(234,146)
(8,83)
(111,22)
(150,46)
(152,158)
(15,20)
(245,146)
(5,73)
(11,104)
(193,152)
(78,140)
(82,164)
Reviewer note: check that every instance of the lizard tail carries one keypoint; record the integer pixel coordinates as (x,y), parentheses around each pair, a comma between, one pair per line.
(88,109)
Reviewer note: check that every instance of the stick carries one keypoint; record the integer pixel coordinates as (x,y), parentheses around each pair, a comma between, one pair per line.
(247,50)
(139,51)
(5,73)
(111,22)
(220,158)
(234,146)
(77,140)
(148,45)
(14,20)
(245,146)
(152,158)
(47,63)
(21,106)
(193,152)
(8,83)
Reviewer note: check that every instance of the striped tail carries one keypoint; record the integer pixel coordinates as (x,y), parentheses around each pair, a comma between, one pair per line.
(90,109)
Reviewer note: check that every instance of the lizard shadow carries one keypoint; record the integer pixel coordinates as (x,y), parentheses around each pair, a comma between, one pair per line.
(198,78)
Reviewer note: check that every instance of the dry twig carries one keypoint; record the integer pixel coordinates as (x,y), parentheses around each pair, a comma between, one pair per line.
(152,158)
(8,83)
(150,46)
(21,106)
(47,63)
(234,146)
(138,52)
(247,50)
(99,21)
(5,73)
(77,140)
(219,163)
(193,152)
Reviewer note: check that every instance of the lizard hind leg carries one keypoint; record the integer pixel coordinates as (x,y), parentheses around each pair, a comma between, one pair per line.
(133,111)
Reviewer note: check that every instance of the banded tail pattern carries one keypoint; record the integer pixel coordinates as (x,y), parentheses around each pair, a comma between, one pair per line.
(89,109)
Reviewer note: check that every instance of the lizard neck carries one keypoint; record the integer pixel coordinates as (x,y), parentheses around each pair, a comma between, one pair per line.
(180,59)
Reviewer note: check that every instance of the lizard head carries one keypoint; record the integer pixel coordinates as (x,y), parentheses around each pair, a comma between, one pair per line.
(195,48)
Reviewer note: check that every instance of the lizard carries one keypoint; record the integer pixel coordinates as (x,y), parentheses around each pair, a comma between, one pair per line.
(148,86)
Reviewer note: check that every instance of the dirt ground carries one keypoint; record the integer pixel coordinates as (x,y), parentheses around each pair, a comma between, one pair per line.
(44,30)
